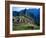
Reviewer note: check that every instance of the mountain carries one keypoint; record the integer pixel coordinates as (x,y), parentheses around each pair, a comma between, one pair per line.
(34,13)
(15,13)
(27,11)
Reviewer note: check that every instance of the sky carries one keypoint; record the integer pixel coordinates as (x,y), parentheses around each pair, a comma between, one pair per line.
(19,9)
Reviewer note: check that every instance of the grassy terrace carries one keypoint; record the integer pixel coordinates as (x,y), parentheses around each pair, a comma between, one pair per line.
(24,26)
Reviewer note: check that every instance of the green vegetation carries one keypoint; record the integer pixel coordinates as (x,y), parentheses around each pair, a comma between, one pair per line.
(23,25)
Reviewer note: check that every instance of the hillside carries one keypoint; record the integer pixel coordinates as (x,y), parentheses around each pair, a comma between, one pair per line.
(26,19)
(34,13)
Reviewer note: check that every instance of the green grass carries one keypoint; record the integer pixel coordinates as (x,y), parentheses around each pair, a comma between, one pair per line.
(24,26)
